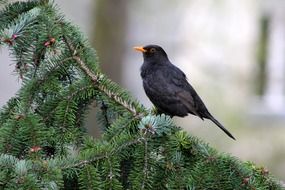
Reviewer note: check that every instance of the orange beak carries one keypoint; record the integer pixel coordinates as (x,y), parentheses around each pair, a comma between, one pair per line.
(139,48)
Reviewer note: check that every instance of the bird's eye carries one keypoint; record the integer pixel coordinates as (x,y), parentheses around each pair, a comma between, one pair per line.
(152,50)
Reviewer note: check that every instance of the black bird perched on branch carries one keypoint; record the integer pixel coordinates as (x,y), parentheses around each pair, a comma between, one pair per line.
(168,89)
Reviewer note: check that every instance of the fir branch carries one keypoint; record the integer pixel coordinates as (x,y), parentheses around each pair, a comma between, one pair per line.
(95,79)
(3,2)
(73,94)
(110,175)
(11,12)
(101,156)
(90,178)
(61,79)
(145,168)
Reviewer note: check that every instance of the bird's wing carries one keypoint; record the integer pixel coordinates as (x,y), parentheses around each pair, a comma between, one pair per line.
(186,93)
(162,92)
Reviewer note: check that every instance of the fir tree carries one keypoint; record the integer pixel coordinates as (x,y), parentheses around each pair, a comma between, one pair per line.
(43,144)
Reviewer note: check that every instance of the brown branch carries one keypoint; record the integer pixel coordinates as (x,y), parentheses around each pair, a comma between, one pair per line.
(86,70)
(83,66)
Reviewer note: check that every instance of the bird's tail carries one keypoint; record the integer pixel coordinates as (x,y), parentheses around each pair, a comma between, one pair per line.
(221,126)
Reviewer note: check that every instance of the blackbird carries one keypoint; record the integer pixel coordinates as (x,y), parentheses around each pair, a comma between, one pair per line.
(168,89)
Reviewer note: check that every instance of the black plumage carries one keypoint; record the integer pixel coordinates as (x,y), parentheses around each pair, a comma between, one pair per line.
(168,89)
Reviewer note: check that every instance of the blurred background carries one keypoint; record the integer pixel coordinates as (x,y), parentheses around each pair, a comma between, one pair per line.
(233,53)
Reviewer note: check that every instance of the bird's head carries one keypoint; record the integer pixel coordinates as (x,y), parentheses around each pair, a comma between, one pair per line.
(152,53)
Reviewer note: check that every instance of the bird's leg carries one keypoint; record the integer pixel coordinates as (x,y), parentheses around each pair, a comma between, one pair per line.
(157,111)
